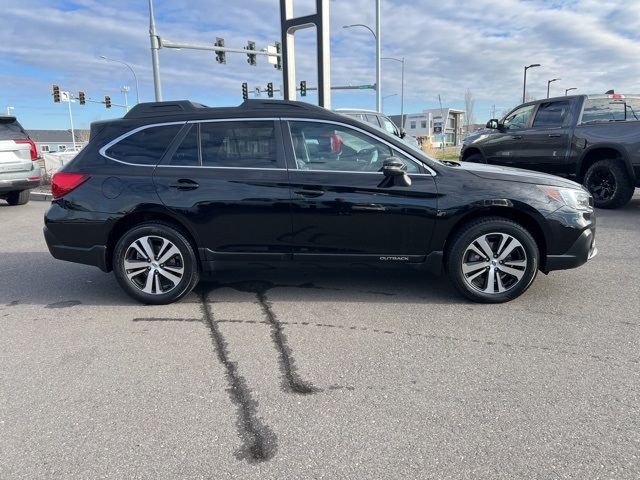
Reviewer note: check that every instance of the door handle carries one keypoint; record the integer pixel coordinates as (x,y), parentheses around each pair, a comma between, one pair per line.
(516,137)
(554,135)
(309,192)
(184,184)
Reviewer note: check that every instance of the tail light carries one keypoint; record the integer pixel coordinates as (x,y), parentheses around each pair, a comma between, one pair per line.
(65,182)
(32,147)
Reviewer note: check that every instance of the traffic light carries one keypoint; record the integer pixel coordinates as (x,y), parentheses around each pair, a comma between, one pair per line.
(81,98)
(221,57)
(56,94)
(251,47)
(245,91)
(270,90)
(107,101)
(278,64)
(303,88)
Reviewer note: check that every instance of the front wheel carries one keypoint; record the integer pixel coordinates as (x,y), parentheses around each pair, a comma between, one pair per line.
(492,260)
(155,264)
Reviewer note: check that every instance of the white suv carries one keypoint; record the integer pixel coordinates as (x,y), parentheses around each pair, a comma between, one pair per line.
(19,168)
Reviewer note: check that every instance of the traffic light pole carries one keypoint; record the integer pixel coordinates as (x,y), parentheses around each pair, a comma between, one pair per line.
(73,133)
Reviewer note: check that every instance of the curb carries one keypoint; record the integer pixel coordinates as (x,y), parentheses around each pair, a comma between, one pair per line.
(40,196)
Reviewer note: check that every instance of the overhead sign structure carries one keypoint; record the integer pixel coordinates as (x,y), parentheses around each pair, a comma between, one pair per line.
(289,26)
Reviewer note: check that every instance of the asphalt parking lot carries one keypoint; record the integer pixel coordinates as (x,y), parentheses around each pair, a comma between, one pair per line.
(318,373)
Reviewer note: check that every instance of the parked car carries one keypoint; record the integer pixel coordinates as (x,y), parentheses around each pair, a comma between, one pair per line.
(593,139)
(166,192)
(19,168)
(380,121)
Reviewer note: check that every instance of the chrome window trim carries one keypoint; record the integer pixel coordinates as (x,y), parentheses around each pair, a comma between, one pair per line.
(106,147)
(390,145)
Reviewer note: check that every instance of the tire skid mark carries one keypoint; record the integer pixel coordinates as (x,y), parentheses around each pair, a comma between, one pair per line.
(260,442)
(292,382)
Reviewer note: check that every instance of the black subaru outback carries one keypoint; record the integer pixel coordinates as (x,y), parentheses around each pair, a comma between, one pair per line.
(165,193)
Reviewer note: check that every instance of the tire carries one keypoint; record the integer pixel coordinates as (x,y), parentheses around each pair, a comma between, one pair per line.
(475,158)
(18,198)
(609,183)
(148,277)
(470,273)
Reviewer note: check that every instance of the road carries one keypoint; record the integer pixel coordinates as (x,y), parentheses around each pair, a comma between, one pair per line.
(276,373)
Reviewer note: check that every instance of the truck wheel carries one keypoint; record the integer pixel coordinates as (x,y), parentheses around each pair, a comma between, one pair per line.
(18,198)
(475,158)
(155,264)
(608,182)
(492,260)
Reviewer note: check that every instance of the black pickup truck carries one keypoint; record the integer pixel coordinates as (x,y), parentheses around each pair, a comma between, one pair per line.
(592,139)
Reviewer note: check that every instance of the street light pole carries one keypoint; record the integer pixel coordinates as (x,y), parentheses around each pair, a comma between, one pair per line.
(401,89)
(378,62)
(524,86)
(549,82)
(387,96)
(135,77)
(568,90)
(376,36)
(155,46)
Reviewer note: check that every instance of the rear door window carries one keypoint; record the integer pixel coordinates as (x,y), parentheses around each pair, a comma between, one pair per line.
(187,154)
(250,144)
(551,114)
(144,147)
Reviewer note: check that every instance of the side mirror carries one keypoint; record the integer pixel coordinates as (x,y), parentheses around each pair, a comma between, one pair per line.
(403,134)
(395,172)
(493,124)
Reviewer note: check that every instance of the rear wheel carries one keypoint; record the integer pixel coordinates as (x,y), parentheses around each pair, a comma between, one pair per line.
(609,183)
(155,264)
(492,260)
(18,198)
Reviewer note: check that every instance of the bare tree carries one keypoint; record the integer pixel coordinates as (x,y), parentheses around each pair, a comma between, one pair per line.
(469,103)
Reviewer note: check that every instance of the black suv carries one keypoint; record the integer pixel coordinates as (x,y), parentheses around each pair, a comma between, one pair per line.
(165,193)
(593,139)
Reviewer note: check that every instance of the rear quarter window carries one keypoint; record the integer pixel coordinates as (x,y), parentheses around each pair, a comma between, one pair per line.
(144,147)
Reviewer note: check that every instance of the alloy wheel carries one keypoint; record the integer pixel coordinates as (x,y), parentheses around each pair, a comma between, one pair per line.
(494,263)
(602,184)
(154,264)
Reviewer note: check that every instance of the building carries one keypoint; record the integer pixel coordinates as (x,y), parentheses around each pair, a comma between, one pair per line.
(429,128)
(49,141)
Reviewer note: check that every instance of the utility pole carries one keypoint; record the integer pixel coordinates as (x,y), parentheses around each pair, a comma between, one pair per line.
(155,46)
(66,97)
(378,62)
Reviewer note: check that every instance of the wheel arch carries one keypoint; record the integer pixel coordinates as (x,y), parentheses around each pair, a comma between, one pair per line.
(603,152)
(520,217)
(472,151)
(125,223)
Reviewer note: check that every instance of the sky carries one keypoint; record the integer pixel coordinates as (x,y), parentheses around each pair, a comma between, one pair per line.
(449,46)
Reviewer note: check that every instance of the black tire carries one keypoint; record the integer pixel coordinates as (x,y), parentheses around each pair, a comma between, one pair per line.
(609,183)
(185,260)
(461,251)
(475,158)
(18,198)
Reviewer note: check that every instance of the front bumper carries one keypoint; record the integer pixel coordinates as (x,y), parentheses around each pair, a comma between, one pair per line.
(583,249)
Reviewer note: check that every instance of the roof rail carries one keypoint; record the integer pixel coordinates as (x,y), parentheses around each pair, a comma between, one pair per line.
(279,105)
(156,109)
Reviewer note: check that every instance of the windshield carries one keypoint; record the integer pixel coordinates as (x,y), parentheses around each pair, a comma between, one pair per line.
(611,110)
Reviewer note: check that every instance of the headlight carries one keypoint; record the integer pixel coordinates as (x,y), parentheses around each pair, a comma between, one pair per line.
(571,197)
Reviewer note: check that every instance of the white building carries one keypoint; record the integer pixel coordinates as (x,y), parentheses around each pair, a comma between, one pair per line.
(50,141)
(428,126)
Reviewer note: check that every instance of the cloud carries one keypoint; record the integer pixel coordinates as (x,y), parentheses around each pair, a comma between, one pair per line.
(448,46)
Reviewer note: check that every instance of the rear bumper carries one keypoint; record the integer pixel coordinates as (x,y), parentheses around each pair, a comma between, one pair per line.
(95,255)
(581,251)
(7,186)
